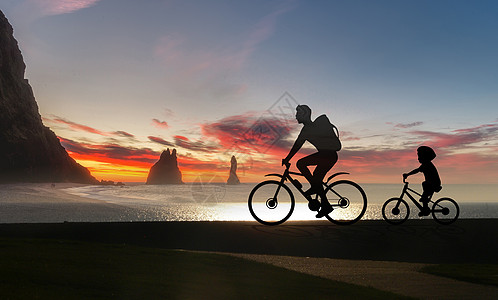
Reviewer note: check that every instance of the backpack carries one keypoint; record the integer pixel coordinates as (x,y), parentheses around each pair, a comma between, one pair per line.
(336,142)
(324,121)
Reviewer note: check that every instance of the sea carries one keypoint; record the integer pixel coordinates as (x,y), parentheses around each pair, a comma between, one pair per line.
(222,202)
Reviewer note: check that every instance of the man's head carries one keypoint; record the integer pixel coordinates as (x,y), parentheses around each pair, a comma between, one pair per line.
(303,114)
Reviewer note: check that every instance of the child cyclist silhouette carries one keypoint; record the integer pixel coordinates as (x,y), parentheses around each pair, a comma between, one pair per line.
(432,181)
(320,133)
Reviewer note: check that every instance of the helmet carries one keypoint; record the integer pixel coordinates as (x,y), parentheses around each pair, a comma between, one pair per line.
(426,152)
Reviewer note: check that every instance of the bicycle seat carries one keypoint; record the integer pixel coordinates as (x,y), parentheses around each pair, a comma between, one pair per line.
(438,189)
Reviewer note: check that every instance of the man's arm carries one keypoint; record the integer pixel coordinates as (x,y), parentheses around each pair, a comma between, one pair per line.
(297,145)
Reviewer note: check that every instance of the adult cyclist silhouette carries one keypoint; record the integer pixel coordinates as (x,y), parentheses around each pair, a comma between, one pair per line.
(321,134)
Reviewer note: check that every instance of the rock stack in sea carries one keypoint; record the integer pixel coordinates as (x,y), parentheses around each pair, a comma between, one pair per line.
(165,170)
(29,151)
(233,178)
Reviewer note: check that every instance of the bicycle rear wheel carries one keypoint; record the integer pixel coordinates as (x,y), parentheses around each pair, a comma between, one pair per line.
(445,211)
(348,200)
(268,206)
(395,211)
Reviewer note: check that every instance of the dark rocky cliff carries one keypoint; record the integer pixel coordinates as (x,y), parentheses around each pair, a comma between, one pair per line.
(165,170)
(29,151)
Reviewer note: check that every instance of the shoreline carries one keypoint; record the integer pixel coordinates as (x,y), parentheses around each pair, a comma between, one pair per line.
(42,203)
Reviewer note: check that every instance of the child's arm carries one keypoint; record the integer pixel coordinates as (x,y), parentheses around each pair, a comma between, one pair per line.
(415,171)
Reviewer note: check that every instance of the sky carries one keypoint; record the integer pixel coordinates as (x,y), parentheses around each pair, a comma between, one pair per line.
(120,81)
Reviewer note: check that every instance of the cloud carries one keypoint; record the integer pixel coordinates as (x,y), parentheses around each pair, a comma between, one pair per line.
(262,31)
(194,164)
(57,7)
(160,124)
(207,69)
(461,137)
(123,134)
(186,143)
(110,153)
(348,136)
(250,133)
(366,163)
(80,127)
(408,125)
(160,141)
(169,113)
(76,126)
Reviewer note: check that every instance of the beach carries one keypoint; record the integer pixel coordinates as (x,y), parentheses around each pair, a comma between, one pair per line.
(370,252)
(66,202)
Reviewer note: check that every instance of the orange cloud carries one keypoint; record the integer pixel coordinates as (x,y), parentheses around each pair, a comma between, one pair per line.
(259,144)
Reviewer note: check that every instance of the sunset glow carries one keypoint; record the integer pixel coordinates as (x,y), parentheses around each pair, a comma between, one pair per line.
(121,81)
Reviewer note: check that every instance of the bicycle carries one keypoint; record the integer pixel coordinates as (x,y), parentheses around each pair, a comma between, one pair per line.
(396,210)
(272,202)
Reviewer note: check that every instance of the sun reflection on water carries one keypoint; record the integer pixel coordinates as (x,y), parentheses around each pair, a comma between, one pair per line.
(182,203)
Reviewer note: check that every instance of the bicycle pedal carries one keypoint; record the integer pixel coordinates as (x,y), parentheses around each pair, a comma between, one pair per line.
(314,205)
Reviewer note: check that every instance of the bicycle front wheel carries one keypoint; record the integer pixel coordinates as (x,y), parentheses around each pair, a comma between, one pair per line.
(395,211)
(348,200)
(445,211)
(271,203)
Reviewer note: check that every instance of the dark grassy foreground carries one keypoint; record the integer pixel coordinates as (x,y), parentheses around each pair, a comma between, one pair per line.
(55,269)
(474,273)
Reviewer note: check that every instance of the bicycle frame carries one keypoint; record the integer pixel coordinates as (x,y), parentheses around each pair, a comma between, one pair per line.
(406,191)
(287,176)
(341,194)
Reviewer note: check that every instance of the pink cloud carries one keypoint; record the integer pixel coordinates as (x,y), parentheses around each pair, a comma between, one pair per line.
(249,133)
(460,137)
(76,126)
(123,134)
(160,124)
(202,146)
(80,127)
(57,7)
(160,141)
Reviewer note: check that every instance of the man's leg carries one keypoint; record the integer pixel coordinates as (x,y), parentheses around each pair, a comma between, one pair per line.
(303,163)
(326,162)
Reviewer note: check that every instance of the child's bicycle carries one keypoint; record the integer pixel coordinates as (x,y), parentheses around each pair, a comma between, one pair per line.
(396,210)
(272,202)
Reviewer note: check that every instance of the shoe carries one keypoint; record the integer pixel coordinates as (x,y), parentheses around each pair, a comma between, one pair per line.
(424,212)
(325,211)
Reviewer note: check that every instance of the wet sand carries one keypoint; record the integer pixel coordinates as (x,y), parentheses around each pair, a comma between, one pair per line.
(43,203)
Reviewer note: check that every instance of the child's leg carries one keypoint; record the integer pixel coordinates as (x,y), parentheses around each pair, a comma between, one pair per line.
(428,191)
